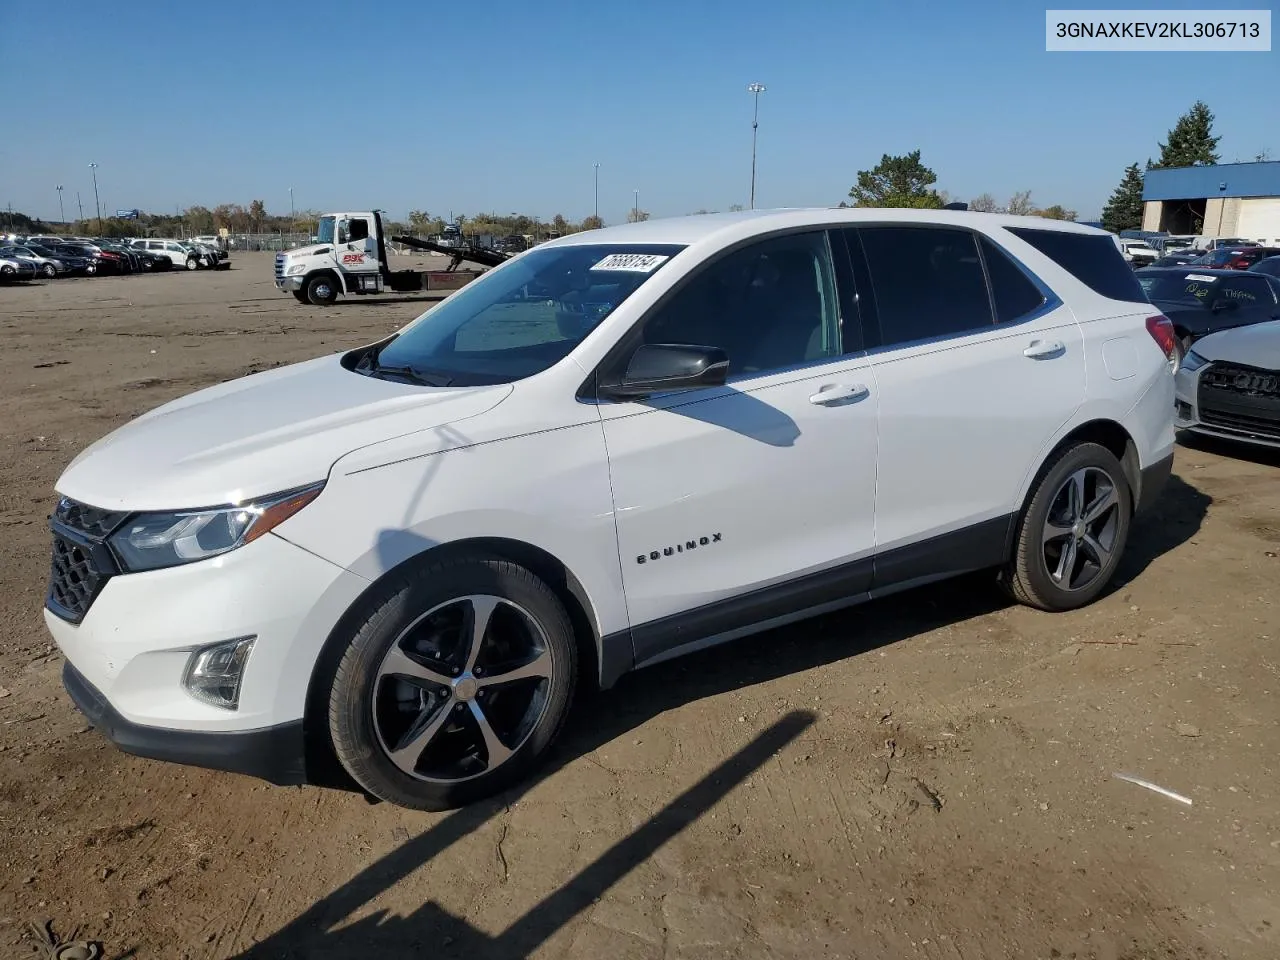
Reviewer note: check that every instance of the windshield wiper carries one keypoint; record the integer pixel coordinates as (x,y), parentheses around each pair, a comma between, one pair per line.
(377,369)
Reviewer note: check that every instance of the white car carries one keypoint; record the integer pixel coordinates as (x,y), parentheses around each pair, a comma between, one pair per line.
(1229,385)
(181,254)
(397,562)
(1138,252)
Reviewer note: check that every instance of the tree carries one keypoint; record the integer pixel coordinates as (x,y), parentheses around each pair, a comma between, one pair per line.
(1056,212)
(1191,142)
(559,224)
(198,220)
(983,203)
(1020,204)
(897,182)
(257,214)
(635,216)
(592,223)
(1124,210)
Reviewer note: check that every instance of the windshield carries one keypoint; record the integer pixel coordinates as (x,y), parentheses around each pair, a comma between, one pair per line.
(324,232)
(1186,288)
(520,319)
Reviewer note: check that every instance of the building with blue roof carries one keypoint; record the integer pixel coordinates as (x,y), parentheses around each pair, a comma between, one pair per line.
(1228,200)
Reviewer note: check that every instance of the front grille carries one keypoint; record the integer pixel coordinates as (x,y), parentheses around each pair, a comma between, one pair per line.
(279,266)
(1241,399)
(81,562)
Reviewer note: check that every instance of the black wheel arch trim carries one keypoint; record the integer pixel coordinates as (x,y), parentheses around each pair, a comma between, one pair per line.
(325,272)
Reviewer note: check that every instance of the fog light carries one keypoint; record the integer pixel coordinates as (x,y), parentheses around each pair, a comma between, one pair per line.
(213,674)
(1182,409)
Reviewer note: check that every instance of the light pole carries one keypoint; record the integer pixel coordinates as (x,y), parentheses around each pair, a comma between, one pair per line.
(596,208)
(755,90)
(62,213)
(635,213)
(94,168)
(293,216)
(80,204)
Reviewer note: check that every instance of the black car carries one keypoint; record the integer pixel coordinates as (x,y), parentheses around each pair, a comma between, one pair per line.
(1178,258)
(1270,266)
(99,262)
(1203,300)
(1236,258)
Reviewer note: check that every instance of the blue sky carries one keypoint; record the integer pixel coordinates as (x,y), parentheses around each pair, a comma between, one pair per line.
(506,105)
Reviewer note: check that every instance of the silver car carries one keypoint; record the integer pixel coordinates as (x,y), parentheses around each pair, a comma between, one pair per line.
(1229,385)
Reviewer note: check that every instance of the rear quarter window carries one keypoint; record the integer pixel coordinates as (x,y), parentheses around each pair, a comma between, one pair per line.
(1091,258)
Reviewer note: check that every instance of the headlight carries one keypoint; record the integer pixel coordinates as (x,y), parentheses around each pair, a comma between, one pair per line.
(150,541)
(1193,361)
(296,269)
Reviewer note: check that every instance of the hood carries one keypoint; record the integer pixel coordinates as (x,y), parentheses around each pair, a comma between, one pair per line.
(307,251)
(257,435)
(1255,345)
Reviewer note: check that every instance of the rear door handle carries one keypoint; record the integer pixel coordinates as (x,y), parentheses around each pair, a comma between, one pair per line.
(836,393)
(1044,349)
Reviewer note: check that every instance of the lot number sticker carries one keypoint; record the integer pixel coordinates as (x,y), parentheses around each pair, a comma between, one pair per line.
(632,262)
(1201,278)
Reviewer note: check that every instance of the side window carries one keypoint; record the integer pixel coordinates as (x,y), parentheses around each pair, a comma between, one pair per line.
(1246,291)
(1091,258)
(928,282)
(769,305)
(1013,292)
(359,230)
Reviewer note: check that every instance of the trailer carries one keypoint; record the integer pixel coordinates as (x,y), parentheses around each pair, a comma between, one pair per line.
(350,257)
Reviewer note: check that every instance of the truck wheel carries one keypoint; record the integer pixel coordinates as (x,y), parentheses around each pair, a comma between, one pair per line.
(456,679)
(322,290)
(300,296)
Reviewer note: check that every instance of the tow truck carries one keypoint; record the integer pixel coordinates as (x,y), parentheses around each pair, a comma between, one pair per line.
(350,257)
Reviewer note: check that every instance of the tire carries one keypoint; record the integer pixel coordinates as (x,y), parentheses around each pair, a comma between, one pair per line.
(434,724)
(300,296)
(193,263)
(322,290)
(90,269)
(48,271)
(1036,574)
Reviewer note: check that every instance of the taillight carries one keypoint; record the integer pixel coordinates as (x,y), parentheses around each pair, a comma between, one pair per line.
(1241,264)
(1161,329)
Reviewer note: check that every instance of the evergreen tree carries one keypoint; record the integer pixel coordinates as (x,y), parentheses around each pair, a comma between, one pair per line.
(896,182)
(1191,142)
(1124,210)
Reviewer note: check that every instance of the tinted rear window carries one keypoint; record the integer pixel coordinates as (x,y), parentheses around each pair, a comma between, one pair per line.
(1092,259)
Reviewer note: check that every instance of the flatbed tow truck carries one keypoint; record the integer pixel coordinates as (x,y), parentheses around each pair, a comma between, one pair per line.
(350,258)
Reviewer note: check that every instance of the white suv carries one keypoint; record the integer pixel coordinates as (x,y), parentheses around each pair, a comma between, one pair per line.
(180,253)
(614,448)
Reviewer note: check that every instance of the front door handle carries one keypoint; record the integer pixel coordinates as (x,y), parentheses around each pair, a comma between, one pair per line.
(1044,349)
(834,393)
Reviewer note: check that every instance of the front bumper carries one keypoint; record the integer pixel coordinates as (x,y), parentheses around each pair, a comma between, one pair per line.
(289,284)
(1241,416)
(276,754)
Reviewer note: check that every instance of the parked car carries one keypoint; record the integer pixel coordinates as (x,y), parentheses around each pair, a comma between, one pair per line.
(1138,253)
(132,262)
(1178,259)
(1202,300)
(1269,266)
(212,257)
(74,264)
(1229,385)
(1237,258)
(14,269)
(47,267)
(408,554)
(178,253)
(1203,243)
(103,261)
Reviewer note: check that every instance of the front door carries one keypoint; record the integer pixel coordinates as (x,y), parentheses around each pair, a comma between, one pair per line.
(355,247)
(746,502)
(979,367)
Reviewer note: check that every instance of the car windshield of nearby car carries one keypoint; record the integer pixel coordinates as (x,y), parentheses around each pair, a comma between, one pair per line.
(1269,266)
(324,231)
(519,319)
(1187,288)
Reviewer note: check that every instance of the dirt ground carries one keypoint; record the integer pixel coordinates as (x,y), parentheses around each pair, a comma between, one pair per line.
(930,776)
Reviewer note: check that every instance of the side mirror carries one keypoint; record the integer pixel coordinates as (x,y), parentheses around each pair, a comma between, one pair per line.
(663,367)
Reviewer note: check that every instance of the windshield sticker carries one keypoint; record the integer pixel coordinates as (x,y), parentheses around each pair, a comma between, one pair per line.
(632,262)
(1201,278)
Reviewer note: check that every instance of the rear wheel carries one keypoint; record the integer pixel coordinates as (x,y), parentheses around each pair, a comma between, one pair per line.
(322,290)
(91,268)
(1072,531)
(455,682)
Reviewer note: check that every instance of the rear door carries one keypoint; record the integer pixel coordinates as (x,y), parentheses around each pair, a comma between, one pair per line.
(1239,301)
(978,365)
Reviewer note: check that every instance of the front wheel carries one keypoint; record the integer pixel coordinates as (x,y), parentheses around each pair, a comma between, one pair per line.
(1072,531)
(49,271)
(454,683)
(193,263)
(322,290)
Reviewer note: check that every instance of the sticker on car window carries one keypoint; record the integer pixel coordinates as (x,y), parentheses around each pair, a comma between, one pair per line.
(1201,277)
(632,262)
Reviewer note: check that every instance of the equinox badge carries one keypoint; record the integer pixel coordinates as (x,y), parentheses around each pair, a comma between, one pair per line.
(678,548)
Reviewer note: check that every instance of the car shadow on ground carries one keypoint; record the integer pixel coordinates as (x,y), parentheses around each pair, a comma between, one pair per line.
(639,696)
(1231,449)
